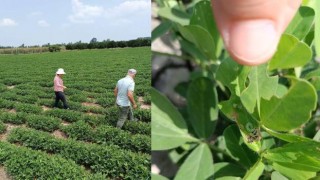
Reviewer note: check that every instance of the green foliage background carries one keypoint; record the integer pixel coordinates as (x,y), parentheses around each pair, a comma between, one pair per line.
(241,122)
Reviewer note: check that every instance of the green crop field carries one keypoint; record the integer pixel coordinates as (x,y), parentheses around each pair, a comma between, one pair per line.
(42,142)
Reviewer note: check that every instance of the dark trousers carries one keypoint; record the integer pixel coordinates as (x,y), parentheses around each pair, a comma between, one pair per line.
(125,112)
(60,96)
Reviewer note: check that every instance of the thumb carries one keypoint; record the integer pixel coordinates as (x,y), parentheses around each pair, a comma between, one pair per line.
(251,29)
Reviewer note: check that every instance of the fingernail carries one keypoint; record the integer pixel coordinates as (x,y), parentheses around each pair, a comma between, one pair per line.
(252,42)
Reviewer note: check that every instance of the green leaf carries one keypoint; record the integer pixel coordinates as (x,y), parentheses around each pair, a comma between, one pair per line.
(169,130)
(199,37)
(175,15)
(281,90)
(277,176)
(248,124)
(229,107)
(312,74)
(267,141)
(191,49)
(315,81)
(260,86)
(235,78)
(283,114)
(161,30)
(291,53)
(198,165)
(227,169)
(228,178)
(286,136)
(202,106)
(176,155)
(293,173)
(304,156)
(252,140)
(182,89)
(309,38)
(202,16)
(315,4)
(317,136)
(301,23)
(255,171)
(305,2)
(237,147)
(158,177)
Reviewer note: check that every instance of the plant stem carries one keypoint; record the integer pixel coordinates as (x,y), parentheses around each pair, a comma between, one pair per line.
(216,149)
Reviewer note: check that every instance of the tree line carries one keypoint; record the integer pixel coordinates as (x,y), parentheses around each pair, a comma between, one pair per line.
(94,44)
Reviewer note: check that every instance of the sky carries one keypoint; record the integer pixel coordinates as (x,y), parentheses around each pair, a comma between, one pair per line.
(38,22)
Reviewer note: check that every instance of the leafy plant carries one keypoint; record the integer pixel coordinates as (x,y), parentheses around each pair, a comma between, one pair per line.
(109,160)
(67,115)
(3,127)
(137,127)
(108,135)
(44,123)
(134,127)
(240,122)
(142,115)
(6,104)
(19,118)
(28,108)
(23,163)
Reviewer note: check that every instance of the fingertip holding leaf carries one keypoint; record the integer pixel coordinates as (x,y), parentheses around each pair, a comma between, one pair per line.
(251,29)
(252,42)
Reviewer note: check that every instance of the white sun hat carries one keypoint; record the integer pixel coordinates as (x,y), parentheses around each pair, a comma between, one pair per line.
(60,71)
(132,71)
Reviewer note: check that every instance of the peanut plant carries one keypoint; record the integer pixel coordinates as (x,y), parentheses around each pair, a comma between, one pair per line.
(240,122)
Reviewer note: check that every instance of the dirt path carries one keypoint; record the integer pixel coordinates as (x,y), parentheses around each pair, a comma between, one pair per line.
(3,137)
(3,174)
(45,108)
(59,134)
(11,87)
(11,111)
(90,104)
(92,114)
(142,104)
(65,123)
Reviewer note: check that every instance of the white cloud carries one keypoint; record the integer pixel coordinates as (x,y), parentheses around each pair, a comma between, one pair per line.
(7,22)
(43,23)
(123,12)
(127,8)
(83,13)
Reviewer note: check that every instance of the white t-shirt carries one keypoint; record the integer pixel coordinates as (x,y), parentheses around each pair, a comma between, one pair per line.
(124,85)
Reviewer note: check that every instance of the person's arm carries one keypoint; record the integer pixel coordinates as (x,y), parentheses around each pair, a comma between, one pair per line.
(64,87)
(115,91)
(131,98)
(57,83)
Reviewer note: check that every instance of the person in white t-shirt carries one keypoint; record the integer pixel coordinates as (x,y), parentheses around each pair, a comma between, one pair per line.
(125,100)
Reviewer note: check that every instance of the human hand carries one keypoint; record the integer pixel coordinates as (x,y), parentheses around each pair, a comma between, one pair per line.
(64,87)
(251,29)
(135,106)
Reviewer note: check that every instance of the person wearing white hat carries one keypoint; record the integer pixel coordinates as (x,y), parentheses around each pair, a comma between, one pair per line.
(124,97)
(59,88)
